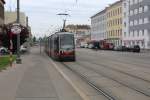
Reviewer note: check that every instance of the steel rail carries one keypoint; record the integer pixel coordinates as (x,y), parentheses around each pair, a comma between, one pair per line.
(109,97)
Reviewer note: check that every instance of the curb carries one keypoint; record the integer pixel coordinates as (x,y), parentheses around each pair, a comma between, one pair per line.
(78,90)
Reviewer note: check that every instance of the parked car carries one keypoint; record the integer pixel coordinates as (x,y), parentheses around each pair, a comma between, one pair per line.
(120,48)
(135,48)
(3,50)
(23,49)
(82,45)
(86,45)
(90,46)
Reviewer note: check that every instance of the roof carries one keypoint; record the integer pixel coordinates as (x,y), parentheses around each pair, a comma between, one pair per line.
(117,2)
(103,11)
(78,26)
(60,33)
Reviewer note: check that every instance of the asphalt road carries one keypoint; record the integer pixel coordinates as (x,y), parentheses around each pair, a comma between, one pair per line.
(122,75)
(35,79)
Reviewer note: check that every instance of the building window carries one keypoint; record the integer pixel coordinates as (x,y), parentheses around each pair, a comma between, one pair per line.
(135,1)
(125,14)
(131,2)
(135,22)
(137,33)
(125,24)
(120,31)
(142,32)
(140,0)
(140,21)
(133,42)
(142,43)
(145,32)
(133,33)
(140,9)
(125,34)
(145,8)
(131,12)
(120,10)
(125,5)
(131,23)
(135,11)
(120,20)
(146,20)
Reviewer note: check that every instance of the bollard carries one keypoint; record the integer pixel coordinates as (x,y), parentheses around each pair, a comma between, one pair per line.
(11,59)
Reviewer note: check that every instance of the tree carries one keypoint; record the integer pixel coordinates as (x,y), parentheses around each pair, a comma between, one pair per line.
(6,37)
(34,39)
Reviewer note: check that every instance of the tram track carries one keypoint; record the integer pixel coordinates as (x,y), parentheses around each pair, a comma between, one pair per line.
(124,84)
(119,62)
(85,78)
(134,62)
(115,69)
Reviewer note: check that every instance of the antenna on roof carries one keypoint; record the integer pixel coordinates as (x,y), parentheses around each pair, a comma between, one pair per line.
(64,20)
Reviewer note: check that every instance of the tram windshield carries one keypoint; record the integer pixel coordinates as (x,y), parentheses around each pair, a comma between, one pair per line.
(66,41)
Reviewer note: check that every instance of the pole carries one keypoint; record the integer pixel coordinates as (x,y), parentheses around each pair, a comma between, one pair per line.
(40,46)
(28,41)
(64,25)
(11,49)
(18,60)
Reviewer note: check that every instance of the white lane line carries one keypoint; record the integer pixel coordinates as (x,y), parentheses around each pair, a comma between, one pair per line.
(78,90)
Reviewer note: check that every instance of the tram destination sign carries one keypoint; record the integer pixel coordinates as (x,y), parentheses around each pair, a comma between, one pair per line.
(16,28)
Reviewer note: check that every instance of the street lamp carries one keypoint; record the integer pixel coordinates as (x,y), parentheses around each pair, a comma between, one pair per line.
(18,59)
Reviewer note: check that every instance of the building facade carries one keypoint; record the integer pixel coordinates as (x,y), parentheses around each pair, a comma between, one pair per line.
(82,32)
(11,17)
(139,24)
(125,25)
(114,21)
(2,2)
(98,26)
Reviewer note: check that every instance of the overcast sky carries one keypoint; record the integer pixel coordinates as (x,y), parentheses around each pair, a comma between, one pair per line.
(43,13)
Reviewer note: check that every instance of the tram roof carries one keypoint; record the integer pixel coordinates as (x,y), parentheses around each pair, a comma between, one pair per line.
(64,33)
(61,33)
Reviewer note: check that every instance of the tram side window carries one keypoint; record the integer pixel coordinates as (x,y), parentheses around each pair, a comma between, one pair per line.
(56,44)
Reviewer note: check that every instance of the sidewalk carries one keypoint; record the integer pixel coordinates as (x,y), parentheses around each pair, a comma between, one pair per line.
(35,79)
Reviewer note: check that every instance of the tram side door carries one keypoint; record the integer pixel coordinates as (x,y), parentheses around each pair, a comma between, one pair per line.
(56,47)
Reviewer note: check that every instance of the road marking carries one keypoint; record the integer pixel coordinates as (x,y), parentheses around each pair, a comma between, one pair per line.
(78,90)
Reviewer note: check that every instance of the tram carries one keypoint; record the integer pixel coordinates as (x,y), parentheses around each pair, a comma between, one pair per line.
(61,46)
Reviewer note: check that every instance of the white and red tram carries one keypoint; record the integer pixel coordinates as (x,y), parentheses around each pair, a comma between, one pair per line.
(61,46)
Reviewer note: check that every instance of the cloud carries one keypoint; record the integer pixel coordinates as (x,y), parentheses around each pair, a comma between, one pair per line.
(42,13)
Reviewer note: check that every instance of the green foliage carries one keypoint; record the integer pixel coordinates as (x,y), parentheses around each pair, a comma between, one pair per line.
(4,62)
(6,37)
(34,39)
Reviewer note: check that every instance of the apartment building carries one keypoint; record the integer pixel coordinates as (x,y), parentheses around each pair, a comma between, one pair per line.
(98,26)
(139,24)
(125,25)
(2,2)
(114,23)
(82,32)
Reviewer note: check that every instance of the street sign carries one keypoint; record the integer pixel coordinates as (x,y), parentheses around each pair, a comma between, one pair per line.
(16,29)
